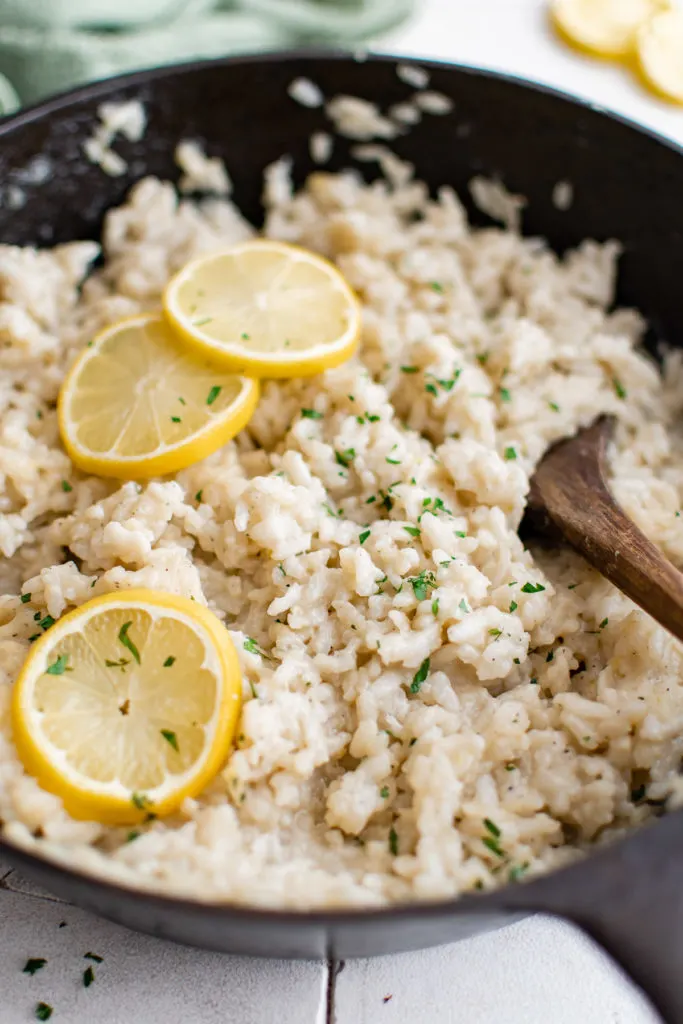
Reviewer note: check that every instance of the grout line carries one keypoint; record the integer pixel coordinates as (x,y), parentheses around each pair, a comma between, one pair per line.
(321,1014)
(47,898)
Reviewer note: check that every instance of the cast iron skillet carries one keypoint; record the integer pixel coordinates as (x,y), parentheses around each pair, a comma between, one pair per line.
(627,186)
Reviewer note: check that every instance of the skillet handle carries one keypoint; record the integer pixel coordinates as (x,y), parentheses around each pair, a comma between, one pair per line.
(629,898)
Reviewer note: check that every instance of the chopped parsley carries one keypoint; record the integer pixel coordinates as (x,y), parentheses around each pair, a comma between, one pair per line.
(491,827)
(176,419)
(393,462)
(141,801)
(59,666)
(505,395)
(510,453)
(311,414)
(513,606)
(619,388)
(213,394)
(66,486)
(409,369)
(603,623)
(549,656)
(517,871)
(346,457)
(132,835)
(33,965)
(47,622)
(554,406)
(414,531)
(435,606)
(200,323)
(252,647)
(169,661)
(331,512)
(463,606)
(171,738)
(244,336)
(93,956)
(420,676)
(510,767)
(393,842)
(363,536)
(431,389)
(121,663)
(88,977)
(198,496)
(493,846)
(43,1011)
(483,358)
(422,584)
(182,400)
(436,286)
(127,642)
(384,792)
(495,632)
(25,598)
(532,588)
(371,499)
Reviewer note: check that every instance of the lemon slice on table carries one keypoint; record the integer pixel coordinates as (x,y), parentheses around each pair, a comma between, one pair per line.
(660,54)
(605,27)
(266,309)
(127,705)
(135,404)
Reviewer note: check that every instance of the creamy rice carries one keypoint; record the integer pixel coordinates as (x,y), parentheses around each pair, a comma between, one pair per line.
(436,708)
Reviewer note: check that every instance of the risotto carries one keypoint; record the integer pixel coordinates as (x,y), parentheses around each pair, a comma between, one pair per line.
(429,706)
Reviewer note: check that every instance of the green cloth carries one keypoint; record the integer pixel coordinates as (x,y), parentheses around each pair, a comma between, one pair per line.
(49,45)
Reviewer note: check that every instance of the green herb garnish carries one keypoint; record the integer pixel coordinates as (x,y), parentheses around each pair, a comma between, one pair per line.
(413,531)
(491,827)
(198,496)
(422,584)
(213,394)
(127,642)
(505,395)
(25,598)
(93,956)
(435,606)
(47,622)
(171,738)
(384,792)
(513,606)
(409,369)
(311,414)
(420,676)
(252,647)
(436,286)
(346,457)
(554,406)
(393,842)
(493,846)
(43,1011)
(532,588)
(619,388)
(59,666)
(510,454)
(200,323)
(495,632)
(141,801)
(364,536)
(88,977)
(169,661)
(66,486)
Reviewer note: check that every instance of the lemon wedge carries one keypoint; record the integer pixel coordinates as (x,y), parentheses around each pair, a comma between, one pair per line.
(265,308)
(136,405)
(660,54)
(127,705)
(607,28)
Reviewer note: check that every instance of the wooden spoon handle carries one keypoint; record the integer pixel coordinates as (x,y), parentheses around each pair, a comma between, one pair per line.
(570,488)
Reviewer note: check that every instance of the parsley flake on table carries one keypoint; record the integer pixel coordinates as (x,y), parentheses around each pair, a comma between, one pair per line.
(420,676)
(43,1011)
(88,977)
(93,956)
(34,965)
(127,642)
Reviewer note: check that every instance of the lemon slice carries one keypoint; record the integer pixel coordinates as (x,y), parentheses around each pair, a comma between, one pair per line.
(605,27)
(660,54)
(135,404)
(265,308)
(127,705)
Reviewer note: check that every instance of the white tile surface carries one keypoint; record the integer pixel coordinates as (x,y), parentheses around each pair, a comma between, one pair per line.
(141,980)
(537,972)
(540,971)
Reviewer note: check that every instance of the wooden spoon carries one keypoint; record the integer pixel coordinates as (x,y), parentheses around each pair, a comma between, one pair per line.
(570,499)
